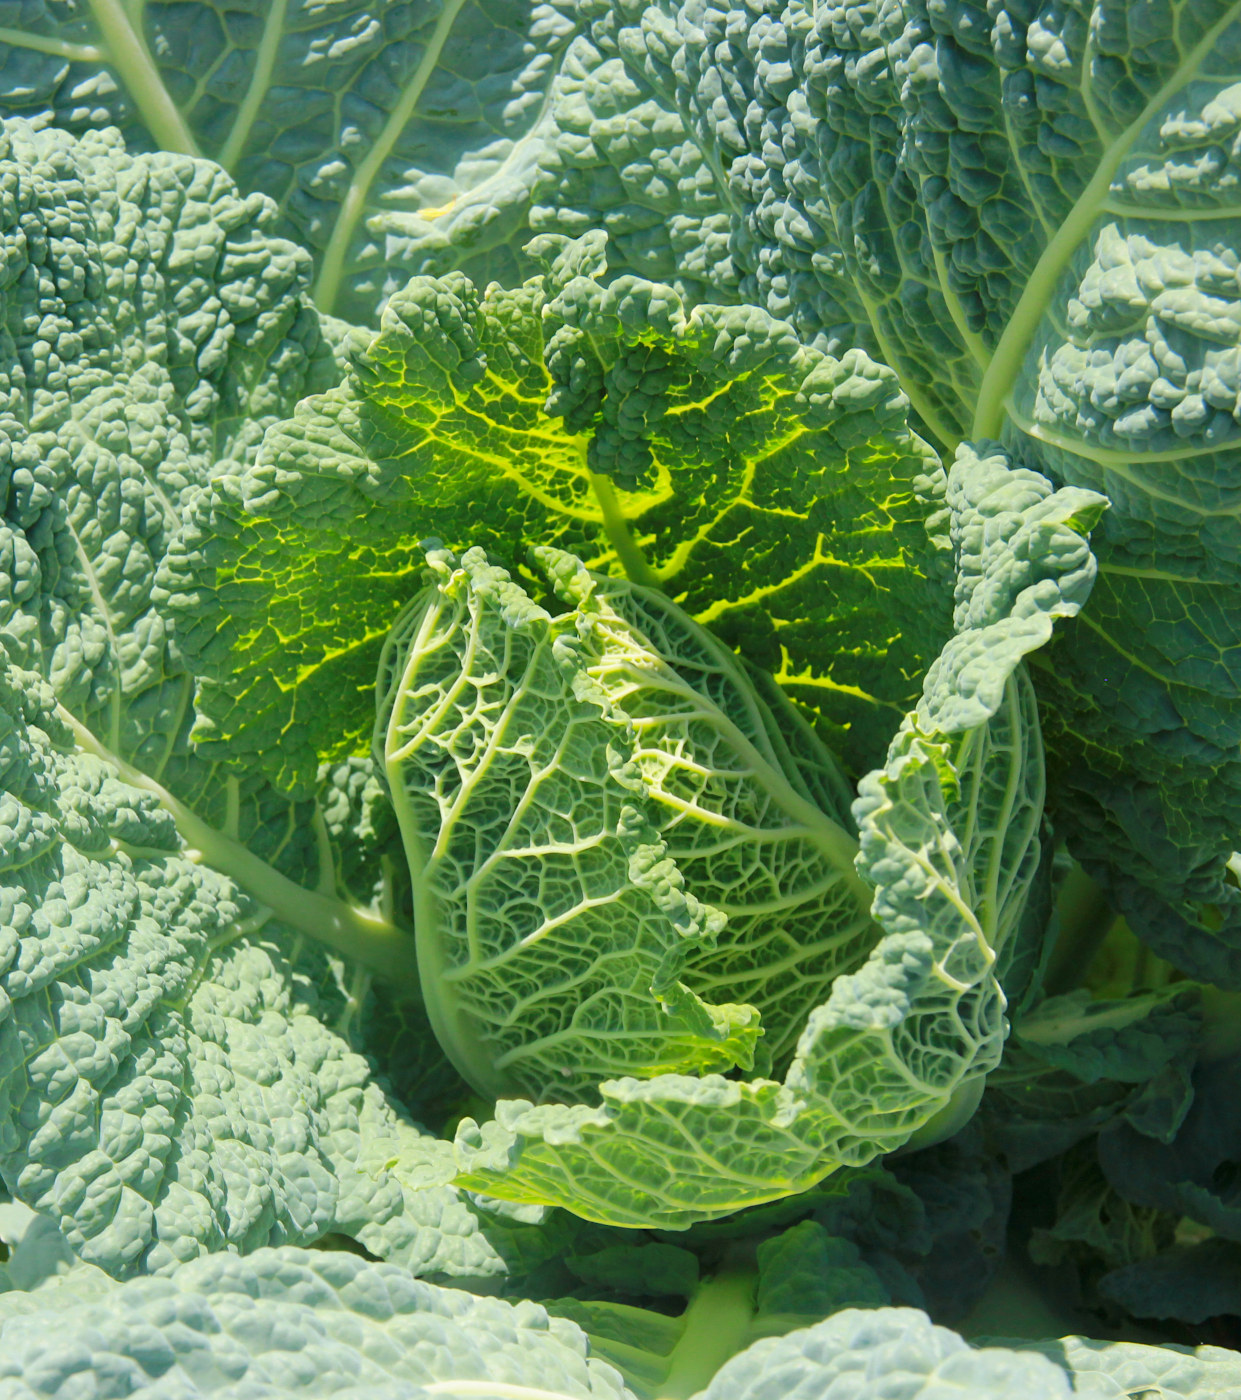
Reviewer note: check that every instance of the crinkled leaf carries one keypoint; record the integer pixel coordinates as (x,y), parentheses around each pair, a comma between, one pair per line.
(949,840)
(175,1076)
(291,1323)
(1130,1040)
(806,1271)
(862,1353)
(154,326)
(140,951)
(392,140)
(874,1354)
(1194,1174)
(564,785)
(776,493)
(1030,213)
(666,125)
(1125,1369)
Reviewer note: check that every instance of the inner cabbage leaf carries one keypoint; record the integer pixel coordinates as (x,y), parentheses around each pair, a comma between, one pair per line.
(612,846)
(776,492)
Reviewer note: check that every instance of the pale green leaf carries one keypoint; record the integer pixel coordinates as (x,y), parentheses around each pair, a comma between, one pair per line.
(776,493)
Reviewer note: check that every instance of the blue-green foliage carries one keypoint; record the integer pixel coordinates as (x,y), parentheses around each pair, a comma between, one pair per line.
(393,139)
(1028,212)
(679,767)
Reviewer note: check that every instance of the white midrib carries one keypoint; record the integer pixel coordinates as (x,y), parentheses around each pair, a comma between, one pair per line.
(838,846)
(993,902)
(1010,351)
(355,933)
(127,52)
(463,1046)
(58,48)
(331,269)
(260,82)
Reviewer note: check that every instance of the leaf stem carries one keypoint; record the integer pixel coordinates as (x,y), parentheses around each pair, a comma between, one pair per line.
(633,561)
(260,82)
(355,933)
(1085,918)
(717,1327)
(128,54)
(378,150)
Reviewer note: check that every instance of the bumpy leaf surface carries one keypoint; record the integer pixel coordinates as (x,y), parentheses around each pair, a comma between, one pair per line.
(1123,1369)
(394,140)
(286,1323)
(668,119)
(152,328)
(776,493)
(1130,1040)
(871,1355)
(1029,211)
(567,786)
(949,843)
(175,1072)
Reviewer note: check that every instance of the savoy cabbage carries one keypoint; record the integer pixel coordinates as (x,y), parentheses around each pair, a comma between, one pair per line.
(651,813)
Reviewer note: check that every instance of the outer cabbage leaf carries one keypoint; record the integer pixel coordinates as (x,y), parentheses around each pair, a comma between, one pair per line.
(1071,179)
(869,1355)
(860,1353)
(866,1354)
(949,841)
(153,327)
(1193,1174)
(1191,1283)
(667,122)
(291,1323)
(1123,1369)
(1130,1039)
(805,1270)
(1074,1066)
(776,493)
(393,140)
(1032,210)
(1095,1228)
(285,1323)
(175,1070)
